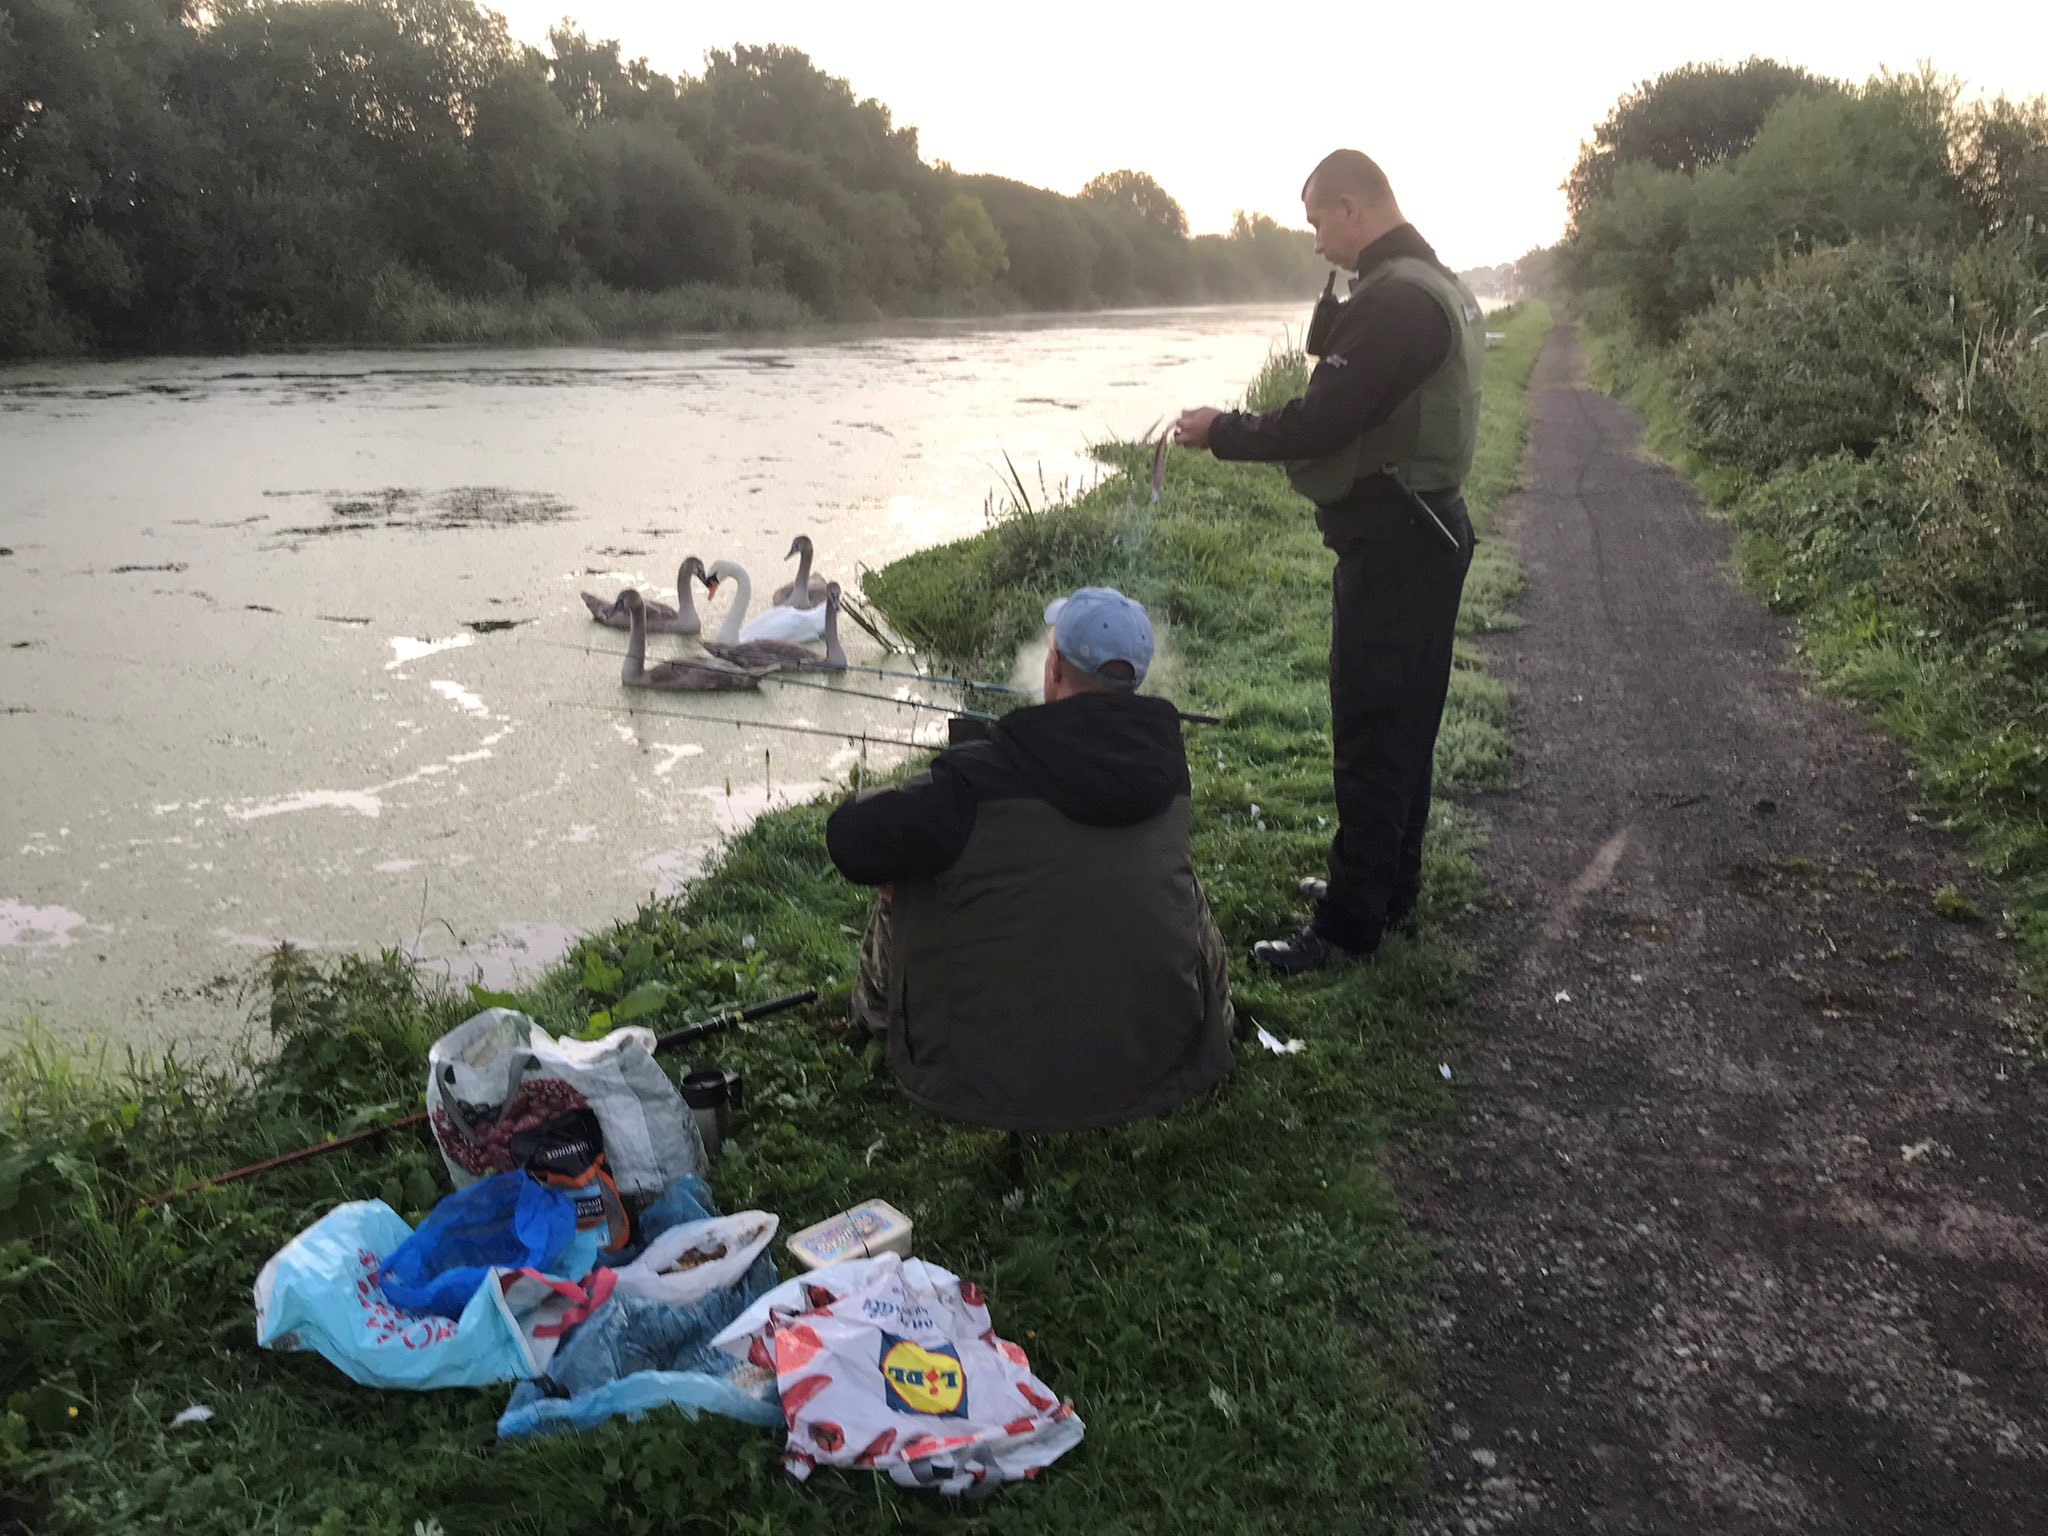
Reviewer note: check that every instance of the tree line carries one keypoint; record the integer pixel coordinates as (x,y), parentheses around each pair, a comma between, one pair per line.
(270,172)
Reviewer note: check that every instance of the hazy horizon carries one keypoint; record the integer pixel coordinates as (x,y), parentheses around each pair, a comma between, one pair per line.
(1064,92)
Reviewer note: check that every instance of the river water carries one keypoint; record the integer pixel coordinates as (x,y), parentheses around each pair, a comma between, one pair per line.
(291,647)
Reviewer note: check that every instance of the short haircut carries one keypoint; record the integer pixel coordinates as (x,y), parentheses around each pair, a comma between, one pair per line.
(1115,676)
(1347,172)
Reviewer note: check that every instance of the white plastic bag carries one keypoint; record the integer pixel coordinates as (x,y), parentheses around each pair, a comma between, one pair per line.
(488,1071)
(893,1364)
(688,1262)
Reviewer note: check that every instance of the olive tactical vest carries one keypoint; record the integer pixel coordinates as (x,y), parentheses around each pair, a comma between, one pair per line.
(1429,440)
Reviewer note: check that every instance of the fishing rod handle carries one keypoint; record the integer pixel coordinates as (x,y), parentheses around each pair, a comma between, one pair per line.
(777,1005)
(774,1005)
(286,1159)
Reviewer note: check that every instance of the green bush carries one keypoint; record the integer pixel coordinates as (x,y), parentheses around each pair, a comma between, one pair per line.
(1624,250)
(1687,118)
(1886,409)
(1840,524)
(2001,155)
(1825,169)
(1825,354)
(1982,465)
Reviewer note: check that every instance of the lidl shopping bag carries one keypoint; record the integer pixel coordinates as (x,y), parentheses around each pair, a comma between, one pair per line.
(321,1292)
(503,1093)
(893,1364)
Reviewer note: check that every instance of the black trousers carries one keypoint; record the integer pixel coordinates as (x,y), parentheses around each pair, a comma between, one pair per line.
(1393,623)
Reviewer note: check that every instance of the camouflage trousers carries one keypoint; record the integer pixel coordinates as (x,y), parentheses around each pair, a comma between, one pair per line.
(868,1009)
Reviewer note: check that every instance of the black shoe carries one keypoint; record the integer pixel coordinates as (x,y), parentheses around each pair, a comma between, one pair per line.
(1304,951)
(1401,921)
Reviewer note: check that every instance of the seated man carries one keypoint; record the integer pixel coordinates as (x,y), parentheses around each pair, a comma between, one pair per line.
(1042,958)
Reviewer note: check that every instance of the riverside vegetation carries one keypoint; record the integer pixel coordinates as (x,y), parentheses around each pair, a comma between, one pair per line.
(264,173)
(1228,1293)
(1831,302)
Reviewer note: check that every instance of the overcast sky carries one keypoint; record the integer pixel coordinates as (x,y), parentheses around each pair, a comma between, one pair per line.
(1475,110)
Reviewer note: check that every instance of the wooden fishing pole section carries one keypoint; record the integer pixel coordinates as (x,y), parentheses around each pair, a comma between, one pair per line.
(668,1042)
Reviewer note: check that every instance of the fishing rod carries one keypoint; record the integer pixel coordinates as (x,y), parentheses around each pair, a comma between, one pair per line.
(880,698)
(912,677)
(675,1040)
(1188,717)
(724,669)
(864,738)
(933,677)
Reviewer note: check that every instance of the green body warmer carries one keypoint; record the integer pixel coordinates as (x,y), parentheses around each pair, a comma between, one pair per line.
(1429,440)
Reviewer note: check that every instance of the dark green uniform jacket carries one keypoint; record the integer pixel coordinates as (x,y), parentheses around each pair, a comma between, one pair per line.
(1394,397)
(1053,965)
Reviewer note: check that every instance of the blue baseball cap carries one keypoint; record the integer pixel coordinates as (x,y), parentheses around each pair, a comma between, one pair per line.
(1097,626)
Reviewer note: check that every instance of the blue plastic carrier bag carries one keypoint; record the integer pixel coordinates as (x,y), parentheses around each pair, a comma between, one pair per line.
(322,1292)
(504,1222)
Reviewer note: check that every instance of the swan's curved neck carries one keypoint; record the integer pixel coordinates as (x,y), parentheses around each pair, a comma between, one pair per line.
(803,575)
(729,631)
(686,600)
(635,665)
(835,654)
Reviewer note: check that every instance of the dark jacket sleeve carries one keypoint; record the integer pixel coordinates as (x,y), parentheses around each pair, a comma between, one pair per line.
(1391,339)
(909,831)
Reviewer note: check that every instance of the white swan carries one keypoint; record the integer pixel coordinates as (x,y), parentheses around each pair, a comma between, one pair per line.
(781,654)
(806,590)
(798,626)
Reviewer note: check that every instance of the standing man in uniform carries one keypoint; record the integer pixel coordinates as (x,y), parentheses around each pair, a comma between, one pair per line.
(1381,443)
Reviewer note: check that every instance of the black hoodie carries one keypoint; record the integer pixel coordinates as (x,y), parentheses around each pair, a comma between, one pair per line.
(1100,759)
(1052,965)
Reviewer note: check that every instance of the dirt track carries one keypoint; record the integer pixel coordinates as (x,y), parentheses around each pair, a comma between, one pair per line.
(1743,1231)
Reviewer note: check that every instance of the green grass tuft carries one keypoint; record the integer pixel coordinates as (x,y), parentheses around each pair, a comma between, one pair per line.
(1956,907)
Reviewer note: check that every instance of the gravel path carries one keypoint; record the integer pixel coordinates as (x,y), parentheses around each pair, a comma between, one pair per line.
(1743,1229)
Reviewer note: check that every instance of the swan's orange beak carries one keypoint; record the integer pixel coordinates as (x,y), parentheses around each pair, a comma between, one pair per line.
(711,587)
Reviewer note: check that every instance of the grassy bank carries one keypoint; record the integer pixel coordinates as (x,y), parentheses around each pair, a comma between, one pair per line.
(1827,539)
(1228,1294)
